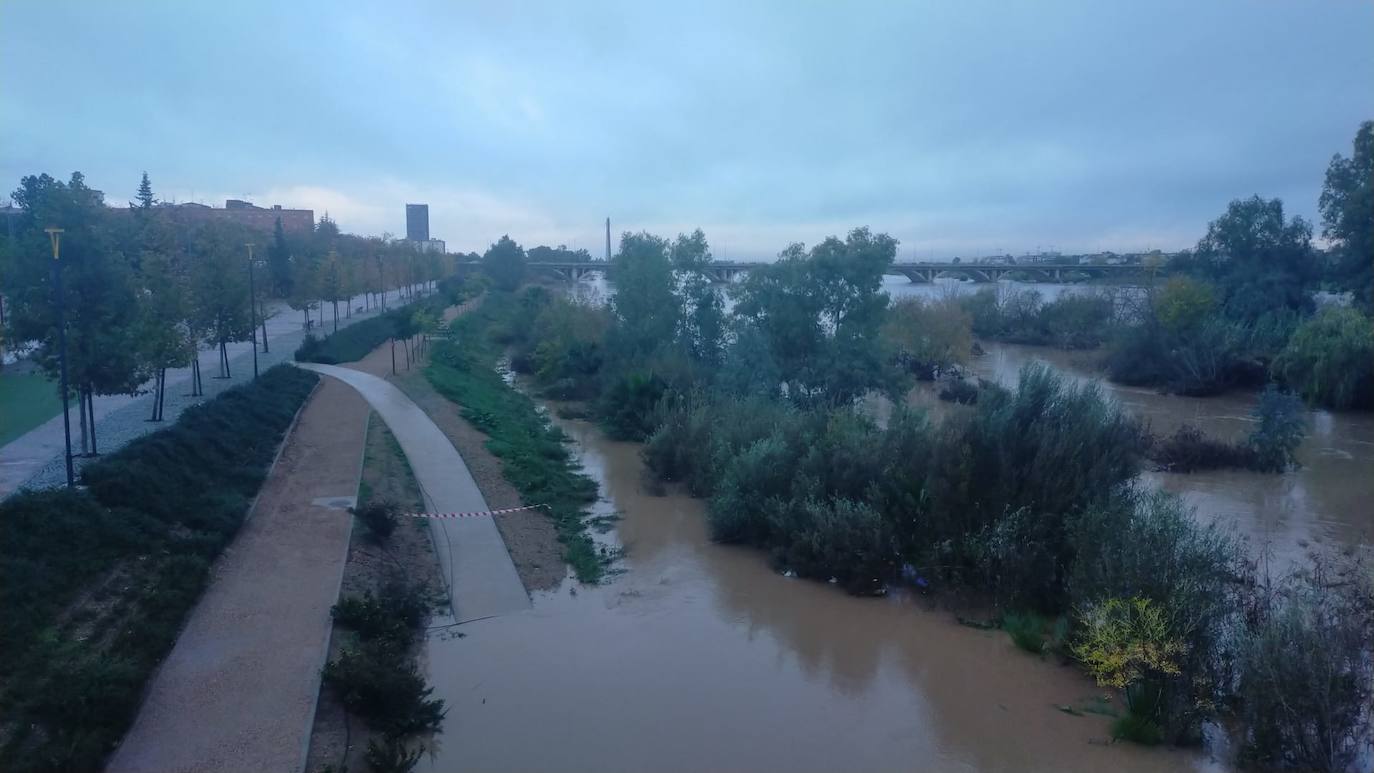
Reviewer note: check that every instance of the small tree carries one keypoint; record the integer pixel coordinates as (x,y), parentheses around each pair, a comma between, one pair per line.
(219,289)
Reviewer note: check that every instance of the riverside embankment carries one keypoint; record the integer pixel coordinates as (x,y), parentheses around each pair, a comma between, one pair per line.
(700,656)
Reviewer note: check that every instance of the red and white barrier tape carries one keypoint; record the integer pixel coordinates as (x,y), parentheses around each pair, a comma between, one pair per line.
(477,514)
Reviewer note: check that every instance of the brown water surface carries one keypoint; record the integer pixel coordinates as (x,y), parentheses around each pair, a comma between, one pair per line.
(1327,502)
(700,657)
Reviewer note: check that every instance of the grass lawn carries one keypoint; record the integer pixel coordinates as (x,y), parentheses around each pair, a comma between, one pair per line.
(26,400)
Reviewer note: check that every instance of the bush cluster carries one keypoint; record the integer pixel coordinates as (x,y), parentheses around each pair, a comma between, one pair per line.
(376,677)
(137,544)
(1071,321)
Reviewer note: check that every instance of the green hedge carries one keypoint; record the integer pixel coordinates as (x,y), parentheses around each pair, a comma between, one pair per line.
(95,583)
(353,342)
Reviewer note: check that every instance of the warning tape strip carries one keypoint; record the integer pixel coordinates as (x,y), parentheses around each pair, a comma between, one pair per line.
(478,514)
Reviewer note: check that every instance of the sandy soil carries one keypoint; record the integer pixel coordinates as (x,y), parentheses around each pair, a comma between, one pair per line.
(530,536)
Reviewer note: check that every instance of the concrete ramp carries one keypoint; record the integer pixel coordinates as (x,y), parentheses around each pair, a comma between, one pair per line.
(478,568)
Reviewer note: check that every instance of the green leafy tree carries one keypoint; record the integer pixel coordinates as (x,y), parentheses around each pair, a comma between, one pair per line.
(1330,359)
(702,322)
(504,263)
(98,282)
(1347,207)
(928,338)
(821,312)
(219,288)
(165,335)
(1259,260)
(647,309)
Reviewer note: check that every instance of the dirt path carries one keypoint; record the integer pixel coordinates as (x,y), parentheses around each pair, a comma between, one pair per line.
(530,536)
(239,689)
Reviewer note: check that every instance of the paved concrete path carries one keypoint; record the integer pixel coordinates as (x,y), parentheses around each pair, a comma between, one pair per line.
(24,458)
(481,577)
(239,689)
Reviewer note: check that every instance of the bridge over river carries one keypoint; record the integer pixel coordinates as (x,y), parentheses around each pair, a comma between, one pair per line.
(727,271)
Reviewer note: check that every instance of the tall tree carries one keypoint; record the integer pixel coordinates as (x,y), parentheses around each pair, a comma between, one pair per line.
(504,262)
(279,262)
(645,304)
(1347,207)
(101,302)
(820,313)
(145,194)
(1260,261)
(703,310)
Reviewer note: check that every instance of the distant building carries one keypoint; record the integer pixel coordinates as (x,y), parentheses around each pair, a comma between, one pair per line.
(430,245)
(417,222)
(293,221)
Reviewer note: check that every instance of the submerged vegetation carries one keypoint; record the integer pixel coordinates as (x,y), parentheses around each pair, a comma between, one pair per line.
(1027,498)
(95,583)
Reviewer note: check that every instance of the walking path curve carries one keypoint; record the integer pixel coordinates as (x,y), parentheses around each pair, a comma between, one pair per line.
(481,577)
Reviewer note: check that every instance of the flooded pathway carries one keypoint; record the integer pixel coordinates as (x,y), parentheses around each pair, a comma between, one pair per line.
(700,657)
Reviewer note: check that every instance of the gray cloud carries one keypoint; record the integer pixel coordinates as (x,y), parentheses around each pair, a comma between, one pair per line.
(957,127)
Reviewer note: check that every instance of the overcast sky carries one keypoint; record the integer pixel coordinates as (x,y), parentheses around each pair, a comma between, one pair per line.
(959,127)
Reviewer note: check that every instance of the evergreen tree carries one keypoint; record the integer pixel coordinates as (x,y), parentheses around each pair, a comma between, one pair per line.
(279,262)
(145,194)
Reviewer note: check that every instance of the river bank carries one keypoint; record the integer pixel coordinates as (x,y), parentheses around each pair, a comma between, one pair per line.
(699,656)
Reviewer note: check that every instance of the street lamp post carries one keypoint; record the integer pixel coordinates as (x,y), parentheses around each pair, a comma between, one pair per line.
(55,236)
(253,310)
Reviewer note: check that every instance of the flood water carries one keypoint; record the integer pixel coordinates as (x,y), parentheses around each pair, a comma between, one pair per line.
(700,657)
(1325,503)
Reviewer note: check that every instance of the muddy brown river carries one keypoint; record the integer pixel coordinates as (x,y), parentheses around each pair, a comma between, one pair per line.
(699,656)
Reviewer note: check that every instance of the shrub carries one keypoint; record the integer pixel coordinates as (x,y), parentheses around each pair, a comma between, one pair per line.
(1281,429)
(839,538)
(356,341)
(1027,631)
(379,683)
(394,615)
(153,517)
(628,407)
(959,391)
(1147,545)
(1132,645)
(1189,450)
(1305,672)
(928,338)
(1330,359)
(379,518)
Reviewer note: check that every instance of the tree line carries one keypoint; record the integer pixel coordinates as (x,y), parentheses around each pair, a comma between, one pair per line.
(145,290)
(1027,499)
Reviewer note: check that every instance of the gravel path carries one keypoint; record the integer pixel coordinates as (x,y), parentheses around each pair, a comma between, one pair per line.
(238,691)
(129,421)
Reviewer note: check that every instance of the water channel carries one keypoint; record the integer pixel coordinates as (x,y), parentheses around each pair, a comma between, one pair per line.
(699,656)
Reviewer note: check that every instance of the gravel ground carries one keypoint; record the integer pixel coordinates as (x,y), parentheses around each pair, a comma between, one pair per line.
(120,426)
(239,689)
